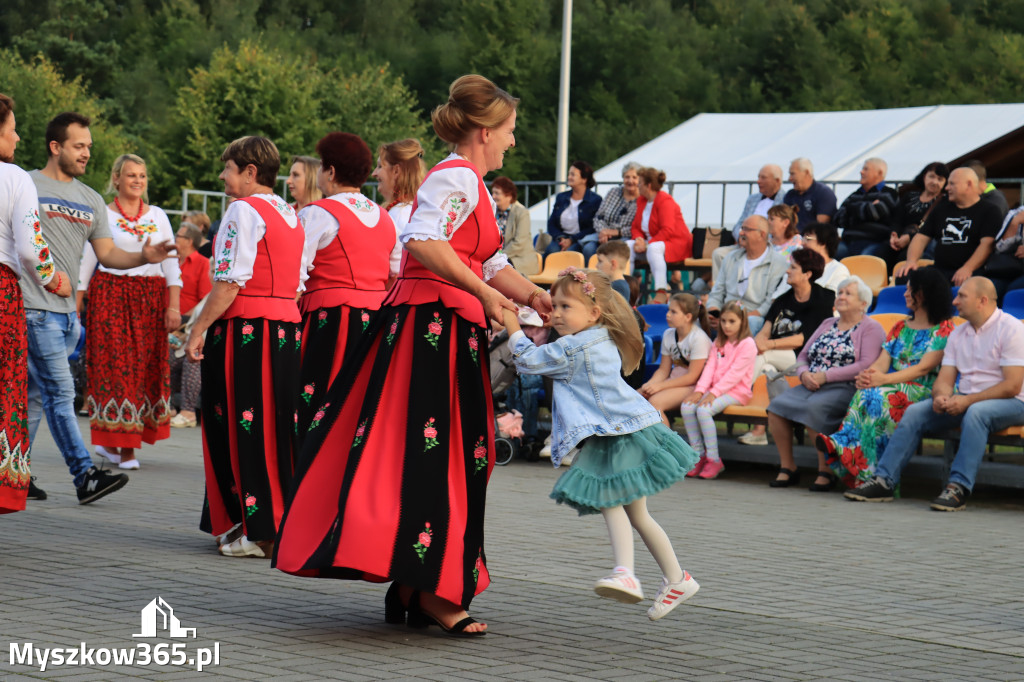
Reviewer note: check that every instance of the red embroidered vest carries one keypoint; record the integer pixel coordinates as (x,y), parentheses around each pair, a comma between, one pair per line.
(476,240)
(271,292)
(354,268)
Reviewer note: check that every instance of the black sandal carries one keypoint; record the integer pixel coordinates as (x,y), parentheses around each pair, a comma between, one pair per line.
(394,609)
(824,487)
(418,618)
(794,478)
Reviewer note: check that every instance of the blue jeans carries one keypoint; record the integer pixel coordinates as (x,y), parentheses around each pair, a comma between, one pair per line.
(976,423)
(51,338)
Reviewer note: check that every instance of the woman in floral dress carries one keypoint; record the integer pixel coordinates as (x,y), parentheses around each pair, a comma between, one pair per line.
(902,375)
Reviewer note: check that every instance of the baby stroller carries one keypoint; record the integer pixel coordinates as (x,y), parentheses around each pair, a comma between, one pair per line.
(503,373)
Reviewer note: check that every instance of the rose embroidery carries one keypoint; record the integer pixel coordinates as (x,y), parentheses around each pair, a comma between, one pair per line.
(479,455)
(394,330)
(360,432)
(478,566)
(280,337)
(218,334)
(434,329)
(250,506)
(318,416)
(474,346)
(365,319)
(247,333)
(246,420)
(321,318)
(295,419)
(307,392)
(360,204)
(429,434)
(454,206)
(298,339)
(224,262)
(423,542)
(218,412)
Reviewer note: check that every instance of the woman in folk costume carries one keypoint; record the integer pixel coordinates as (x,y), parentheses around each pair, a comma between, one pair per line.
(250,354)
(21,246)
(128,391)
(392,479)
(349,240)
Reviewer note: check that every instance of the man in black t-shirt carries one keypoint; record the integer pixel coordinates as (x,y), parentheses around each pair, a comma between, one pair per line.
(964,228)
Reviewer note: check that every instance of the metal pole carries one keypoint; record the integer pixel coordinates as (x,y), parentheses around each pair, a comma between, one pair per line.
(562,153)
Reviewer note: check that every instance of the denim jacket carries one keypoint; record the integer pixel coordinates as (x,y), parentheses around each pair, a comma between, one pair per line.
(590,397)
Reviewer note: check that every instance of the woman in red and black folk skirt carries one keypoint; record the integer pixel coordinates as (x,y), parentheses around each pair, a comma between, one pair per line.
(392,478)
(21,246)
(250,354)
(349,240)
(128,391)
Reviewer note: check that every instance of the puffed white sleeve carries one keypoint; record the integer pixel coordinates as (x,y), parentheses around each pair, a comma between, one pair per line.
(234,249)
(33,251)
(320,227)
(443,202)
(495,264)
(170,267)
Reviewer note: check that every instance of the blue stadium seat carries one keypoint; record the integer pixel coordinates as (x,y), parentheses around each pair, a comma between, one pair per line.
(1013,303)
(890,300)
(651,361)
(654,314)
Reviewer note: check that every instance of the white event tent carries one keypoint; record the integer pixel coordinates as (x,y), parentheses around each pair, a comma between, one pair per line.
(727,150)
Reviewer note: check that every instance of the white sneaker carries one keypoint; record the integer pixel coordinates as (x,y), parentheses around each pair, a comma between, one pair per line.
(672,595)
(128,464)
(243,547)
(751,438)
(569,458)
(112,457)
(545,452)
(233,534)
(621,586)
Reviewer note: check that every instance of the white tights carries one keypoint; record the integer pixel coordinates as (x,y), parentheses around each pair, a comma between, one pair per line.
(622,520)
(656,260)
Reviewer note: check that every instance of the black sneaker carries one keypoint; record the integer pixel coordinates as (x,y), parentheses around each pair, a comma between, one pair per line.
(99,483)
(34,491)
(953,498)
(874,490)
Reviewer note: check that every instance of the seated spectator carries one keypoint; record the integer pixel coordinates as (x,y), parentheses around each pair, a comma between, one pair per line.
(916,204)
(839,349)
(750,274)
(823,239)
(685,346)
(868,216)
(514,221)
(612,260)
(978,390)
(788,324)
(615,216)
(989,192)
(195,268)
(964,228)
(814,201)
(1005,267)
(571,224)
(768,194)
(659,230)
(901,376)
(782,229)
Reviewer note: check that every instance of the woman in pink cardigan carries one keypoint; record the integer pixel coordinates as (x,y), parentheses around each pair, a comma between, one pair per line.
(837,351)
(726,380)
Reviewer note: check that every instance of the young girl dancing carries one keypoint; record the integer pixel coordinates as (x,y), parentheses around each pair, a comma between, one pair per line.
(684,351)
(726,380)
(623,452)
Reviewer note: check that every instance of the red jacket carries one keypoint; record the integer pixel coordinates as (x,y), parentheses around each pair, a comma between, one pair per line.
(666,225)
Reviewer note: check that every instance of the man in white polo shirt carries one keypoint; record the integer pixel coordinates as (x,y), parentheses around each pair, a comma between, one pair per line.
(988,354)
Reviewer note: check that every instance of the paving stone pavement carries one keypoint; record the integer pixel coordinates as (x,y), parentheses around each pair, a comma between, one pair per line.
(794,586)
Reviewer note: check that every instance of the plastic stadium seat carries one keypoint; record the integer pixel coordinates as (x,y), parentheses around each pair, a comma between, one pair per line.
(888,320)
(654,314)
(871,269)
(555,263)
(890,300)
(1013,303)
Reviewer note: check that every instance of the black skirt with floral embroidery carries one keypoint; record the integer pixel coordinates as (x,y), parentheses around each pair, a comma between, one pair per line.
(392,477)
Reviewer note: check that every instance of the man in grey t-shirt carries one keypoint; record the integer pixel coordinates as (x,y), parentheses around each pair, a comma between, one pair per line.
(71,214)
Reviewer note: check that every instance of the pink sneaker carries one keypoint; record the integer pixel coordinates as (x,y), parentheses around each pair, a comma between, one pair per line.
(698,467)
(712,469)
(621,586)
(672,595)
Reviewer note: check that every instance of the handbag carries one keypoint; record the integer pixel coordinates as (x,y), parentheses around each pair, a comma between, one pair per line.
(706,240)
(1003,266)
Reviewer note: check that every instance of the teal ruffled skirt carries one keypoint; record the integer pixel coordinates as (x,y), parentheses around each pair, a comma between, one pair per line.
(612,471)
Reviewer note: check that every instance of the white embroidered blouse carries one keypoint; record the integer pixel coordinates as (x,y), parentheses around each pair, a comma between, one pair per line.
(241,229)
(21,241)
(443,202)
(130,236)
(400,214)
(321,227)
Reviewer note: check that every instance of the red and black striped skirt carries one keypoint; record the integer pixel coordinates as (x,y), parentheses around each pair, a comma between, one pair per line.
(128,389)
(14,446)
(250,390)
(391,481)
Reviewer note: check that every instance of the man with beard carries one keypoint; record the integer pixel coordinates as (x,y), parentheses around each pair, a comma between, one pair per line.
(70,213)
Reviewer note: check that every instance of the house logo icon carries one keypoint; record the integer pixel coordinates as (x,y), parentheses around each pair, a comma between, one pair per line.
(158,614)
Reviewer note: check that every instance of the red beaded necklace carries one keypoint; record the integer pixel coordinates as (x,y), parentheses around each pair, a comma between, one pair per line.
(131,219)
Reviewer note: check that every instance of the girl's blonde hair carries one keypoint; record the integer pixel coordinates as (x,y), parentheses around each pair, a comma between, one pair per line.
(408,156)
(616,315)
(744,332)
(115,172)
(692,306)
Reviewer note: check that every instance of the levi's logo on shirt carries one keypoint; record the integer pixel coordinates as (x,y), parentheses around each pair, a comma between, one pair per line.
(70,211)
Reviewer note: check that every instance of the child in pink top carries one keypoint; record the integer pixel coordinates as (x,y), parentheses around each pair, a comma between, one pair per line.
(726,380)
